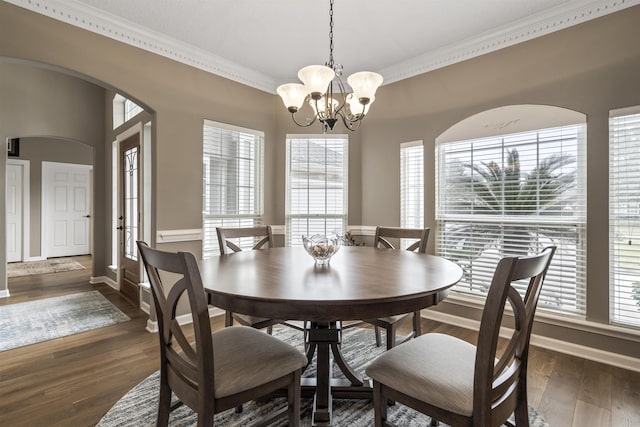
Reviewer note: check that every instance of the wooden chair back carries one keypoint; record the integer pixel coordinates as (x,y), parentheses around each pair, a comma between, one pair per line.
(499,385)
(188,369)
(421,235)
(263,233)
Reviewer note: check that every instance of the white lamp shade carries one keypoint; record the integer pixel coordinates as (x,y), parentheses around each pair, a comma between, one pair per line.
(321,105)
(292,94)
(364,83)
(316,78)
(356,107)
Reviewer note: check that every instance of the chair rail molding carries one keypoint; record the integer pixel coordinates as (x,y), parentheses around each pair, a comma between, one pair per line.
(172,236)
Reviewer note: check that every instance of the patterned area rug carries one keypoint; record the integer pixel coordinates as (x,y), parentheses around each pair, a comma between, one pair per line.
(53,265)
(36,321)
(138,407)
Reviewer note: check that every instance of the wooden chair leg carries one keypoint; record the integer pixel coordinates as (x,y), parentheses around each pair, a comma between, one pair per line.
(228,319)
(293,400)
(164,404)
(378,339)
(270,330)
(522,407)
(391,336)
(417,324)
(379,405)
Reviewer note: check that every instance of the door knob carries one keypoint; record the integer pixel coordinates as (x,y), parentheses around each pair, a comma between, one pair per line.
(120,228)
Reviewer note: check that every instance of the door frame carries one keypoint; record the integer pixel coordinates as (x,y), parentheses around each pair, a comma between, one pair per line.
(144,130)
(26,205)
(45,242)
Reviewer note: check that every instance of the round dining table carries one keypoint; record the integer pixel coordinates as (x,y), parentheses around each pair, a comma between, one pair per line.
(358,283)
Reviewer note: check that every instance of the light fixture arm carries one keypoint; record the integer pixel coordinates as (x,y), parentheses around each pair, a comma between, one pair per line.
(331,103)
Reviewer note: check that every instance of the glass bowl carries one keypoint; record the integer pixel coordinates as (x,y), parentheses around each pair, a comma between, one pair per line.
(321,248)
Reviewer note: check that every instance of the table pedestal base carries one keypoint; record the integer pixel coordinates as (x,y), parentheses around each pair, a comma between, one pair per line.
(323,339)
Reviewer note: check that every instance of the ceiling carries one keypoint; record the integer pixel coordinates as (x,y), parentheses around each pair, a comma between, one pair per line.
(263,43)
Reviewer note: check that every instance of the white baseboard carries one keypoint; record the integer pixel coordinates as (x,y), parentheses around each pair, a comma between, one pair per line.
(4,294)
(106,280)
(594,354)
(184,319)
(37,258)
(152,326)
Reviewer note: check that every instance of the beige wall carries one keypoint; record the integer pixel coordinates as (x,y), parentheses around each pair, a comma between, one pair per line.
(43,105)
(590,68)
(37,150)
(179,96)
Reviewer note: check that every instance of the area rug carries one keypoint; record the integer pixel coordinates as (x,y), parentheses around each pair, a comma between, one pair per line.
(45,319)
(139,406)
(53,265)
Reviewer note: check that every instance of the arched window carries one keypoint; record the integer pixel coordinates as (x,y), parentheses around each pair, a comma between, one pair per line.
(511,181)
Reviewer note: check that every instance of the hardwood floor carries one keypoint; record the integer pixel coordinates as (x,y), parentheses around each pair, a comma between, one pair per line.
(73,381)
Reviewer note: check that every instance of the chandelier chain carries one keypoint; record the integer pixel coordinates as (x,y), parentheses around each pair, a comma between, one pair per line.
(330,64)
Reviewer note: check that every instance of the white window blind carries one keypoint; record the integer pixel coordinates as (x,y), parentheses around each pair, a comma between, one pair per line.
(624,217)
(513,195)
(412,184)
(232,181)
(316,200)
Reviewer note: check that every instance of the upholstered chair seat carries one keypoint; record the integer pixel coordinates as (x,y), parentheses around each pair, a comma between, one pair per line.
(462,384)
(245,358)
(434,368)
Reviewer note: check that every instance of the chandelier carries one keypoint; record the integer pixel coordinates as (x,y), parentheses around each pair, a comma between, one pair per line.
(327,95)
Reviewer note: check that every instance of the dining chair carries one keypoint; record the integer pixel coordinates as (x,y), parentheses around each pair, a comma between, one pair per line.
(460,383)
(262,237)
(419,238)
(214,371)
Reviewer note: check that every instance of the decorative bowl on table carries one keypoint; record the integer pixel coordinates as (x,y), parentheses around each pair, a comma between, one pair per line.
(321,248)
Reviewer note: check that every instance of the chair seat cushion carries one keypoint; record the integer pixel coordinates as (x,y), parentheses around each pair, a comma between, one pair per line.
(434,368)
(245,358)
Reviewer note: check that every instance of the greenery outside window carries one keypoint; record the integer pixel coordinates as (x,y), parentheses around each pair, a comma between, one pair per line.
(513,195)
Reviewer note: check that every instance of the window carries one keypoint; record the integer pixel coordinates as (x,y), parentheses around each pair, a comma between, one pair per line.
(513,195)
(232,181)
(624,216)
(412,184)
(316,201)
(124,110)
(131,109)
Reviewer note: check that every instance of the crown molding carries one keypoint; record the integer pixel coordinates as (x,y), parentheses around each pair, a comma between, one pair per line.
(91,19)
(537,25)
(99,22)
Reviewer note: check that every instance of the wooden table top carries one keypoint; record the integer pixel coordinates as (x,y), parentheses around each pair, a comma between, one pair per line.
(359,283)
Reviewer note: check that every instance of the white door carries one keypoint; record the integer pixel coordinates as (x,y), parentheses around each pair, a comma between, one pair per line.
(14,212)
(66,204)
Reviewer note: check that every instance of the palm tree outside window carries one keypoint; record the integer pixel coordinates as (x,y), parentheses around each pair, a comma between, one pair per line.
(513,195)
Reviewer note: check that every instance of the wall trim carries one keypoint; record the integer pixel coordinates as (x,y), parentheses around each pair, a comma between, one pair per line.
(596,355)
(554,319)
(172,236)
(362,230)
(106,280)
(4,293)
(26,205)
(37,258)
(91,19)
